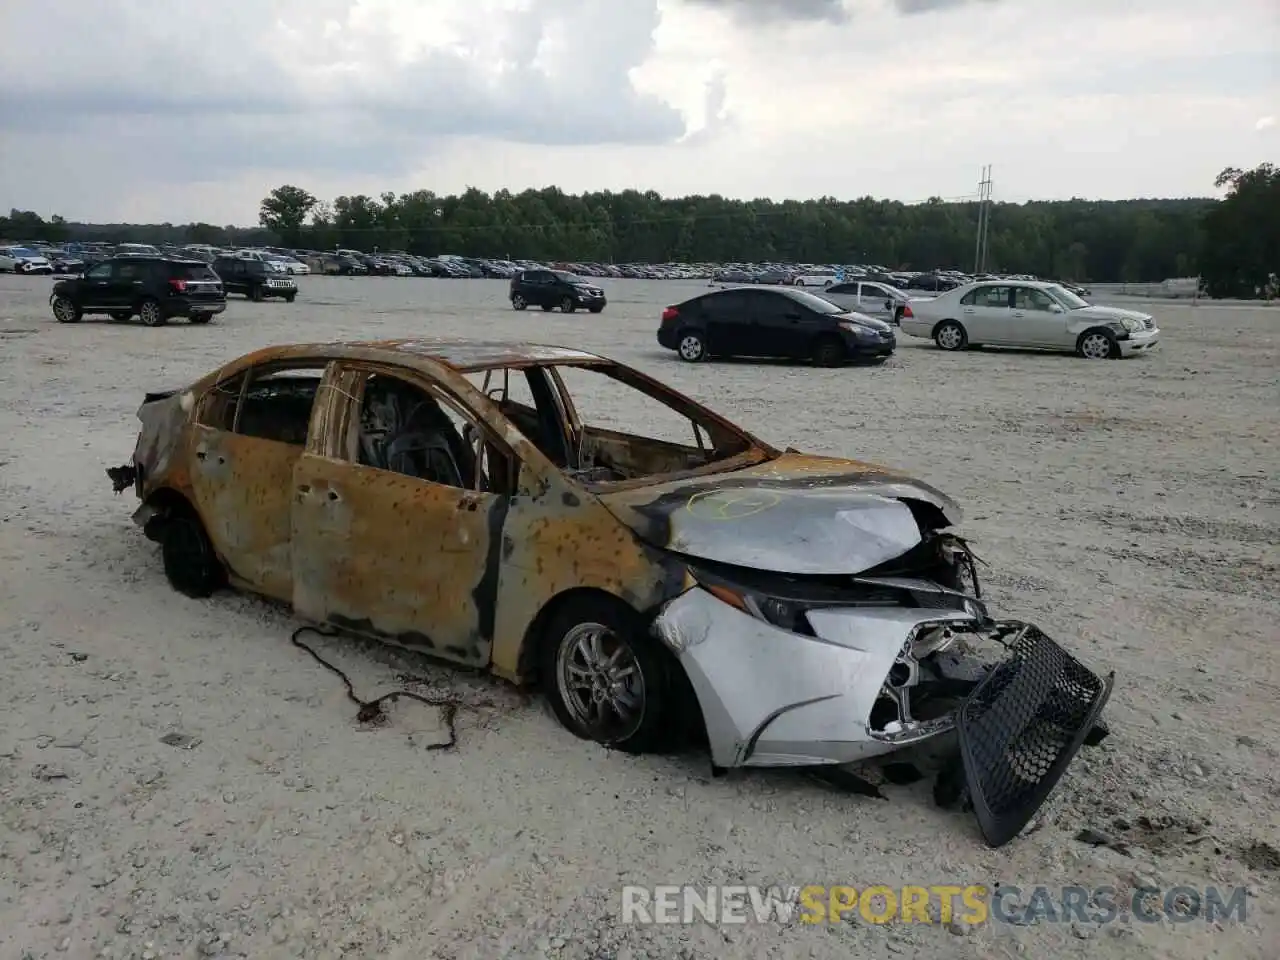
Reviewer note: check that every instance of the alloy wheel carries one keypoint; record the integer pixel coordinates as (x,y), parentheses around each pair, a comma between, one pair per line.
(601,682)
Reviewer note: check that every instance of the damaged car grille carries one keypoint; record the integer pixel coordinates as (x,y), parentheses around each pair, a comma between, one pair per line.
(1022,726)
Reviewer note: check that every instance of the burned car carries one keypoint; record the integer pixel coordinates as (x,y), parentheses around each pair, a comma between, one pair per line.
(487,504)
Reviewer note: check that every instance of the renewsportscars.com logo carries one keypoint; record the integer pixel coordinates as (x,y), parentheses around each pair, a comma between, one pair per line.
(940,903)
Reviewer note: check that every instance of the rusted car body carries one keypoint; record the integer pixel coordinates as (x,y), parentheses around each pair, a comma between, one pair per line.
(450,496)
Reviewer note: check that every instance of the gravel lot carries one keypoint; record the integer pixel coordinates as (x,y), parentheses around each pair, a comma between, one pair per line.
(1131,508)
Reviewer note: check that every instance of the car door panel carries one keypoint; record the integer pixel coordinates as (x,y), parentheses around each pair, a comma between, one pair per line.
(395,557)
(96,287)
(987,319)
(874,302)
(243,488)
(1034,322)
(728,324)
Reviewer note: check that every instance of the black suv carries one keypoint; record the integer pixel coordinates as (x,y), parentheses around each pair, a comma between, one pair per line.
(773,322)
(156,289)
(549,289)
(254,279)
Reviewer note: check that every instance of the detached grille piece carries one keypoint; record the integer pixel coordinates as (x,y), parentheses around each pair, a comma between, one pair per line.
(1021,727)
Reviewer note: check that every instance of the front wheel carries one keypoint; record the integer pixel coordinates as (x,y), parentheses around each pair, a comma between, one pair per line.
(950,336)
(519,303)
(692,347)
(595,309)
(605,679)
(1098,345)
(150,314)
(828,352)
(65,311)
(567,305)
(255,293)
(290,297)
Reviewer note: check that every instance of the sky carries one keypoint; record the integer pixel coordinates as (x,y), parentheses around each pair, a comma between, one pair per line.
(155,111)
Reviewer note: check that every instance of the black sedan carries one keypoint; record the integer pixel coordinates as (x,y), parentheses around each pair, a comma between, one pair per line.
(780,322)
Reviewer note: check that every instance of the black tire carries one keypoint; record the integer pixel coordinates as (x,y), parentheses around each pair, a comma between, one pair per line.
(595,309)
(547,308)
(1098,344)
(150,313)
(691,346)
(65,310)
(120,316)
(518,302)
(949,335)
(255,293)
(190,562)
(651,683)
(897,316)
(567,305)
(828,352)
(290,297)
(200,318)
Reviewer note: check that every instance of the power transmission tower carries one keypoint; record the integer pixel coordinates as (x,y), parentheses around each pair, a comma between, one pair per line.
(984,220)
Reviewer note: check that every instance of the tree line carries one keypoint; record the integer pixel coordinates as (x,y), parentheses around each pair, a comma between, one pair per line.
(1233,243)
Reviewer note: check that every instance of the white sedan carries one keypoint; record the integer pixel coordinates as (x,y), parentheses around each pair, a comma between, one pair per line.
(1026,313)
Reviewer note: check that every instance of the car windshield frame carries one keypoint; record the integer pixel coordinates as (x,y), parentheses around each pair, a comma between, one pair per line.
(814,302)
(1067,299)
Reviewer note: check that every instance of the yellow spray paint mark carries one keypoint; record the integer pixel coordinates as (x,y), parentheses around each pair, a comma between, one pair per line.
(730,504)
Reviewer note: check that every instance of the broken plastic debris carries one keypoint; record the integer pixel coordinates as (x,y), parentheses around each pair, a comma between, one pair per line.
(180,740)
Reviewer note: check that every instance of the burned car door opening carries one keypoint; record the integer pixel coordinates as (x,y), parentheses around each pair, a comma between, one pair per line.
(559,518)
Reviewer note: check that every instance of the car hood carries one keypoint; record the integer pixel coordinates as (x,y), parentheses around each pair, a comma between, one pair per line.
(795,514)
(1093,312)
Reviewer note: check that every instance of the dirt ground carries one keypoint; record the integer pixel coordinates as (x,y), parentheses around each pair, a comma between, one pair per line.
(1131,508)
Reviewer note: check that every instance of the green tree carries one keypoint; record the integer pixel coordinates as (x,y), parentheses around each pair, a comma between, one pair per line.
(285,210)
(1242,233)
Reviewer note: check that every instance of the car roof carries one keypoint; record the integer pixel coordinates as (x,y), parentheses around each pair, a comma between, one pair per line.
(462,355)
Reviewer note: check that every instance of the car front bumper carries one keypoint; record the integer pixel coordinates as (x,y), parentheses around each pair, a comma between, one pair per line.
(1143,342)
(772,698)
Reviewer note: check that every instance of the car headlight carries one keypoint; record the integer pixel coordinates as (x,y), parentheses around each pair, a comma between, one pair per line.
(1130,324)
(784,614)
(854,327)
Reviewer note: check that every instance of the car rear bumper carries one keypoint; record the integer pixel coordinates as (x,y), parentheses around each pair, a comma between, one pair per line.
(185,307)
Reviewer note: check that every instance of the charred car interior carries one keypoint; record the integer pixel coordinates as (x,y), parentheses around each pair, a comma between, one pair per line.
(487,504)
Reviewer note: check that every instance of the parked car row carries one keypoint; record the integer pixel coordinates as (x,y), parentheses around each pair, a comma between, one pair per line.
(836,325)
(159,288)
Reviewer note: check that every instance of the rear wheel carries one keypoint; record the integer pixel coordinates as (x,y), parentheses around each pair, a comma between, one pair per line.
(150,314)
(64,310)
(518,302)
(950,336)
(692,348)
(190,562)
(567,305)
(828,352)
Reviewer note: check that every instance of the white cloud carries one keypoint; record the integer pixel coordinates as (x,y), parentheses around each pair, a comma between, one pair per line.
(1264,123)
(195,114)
